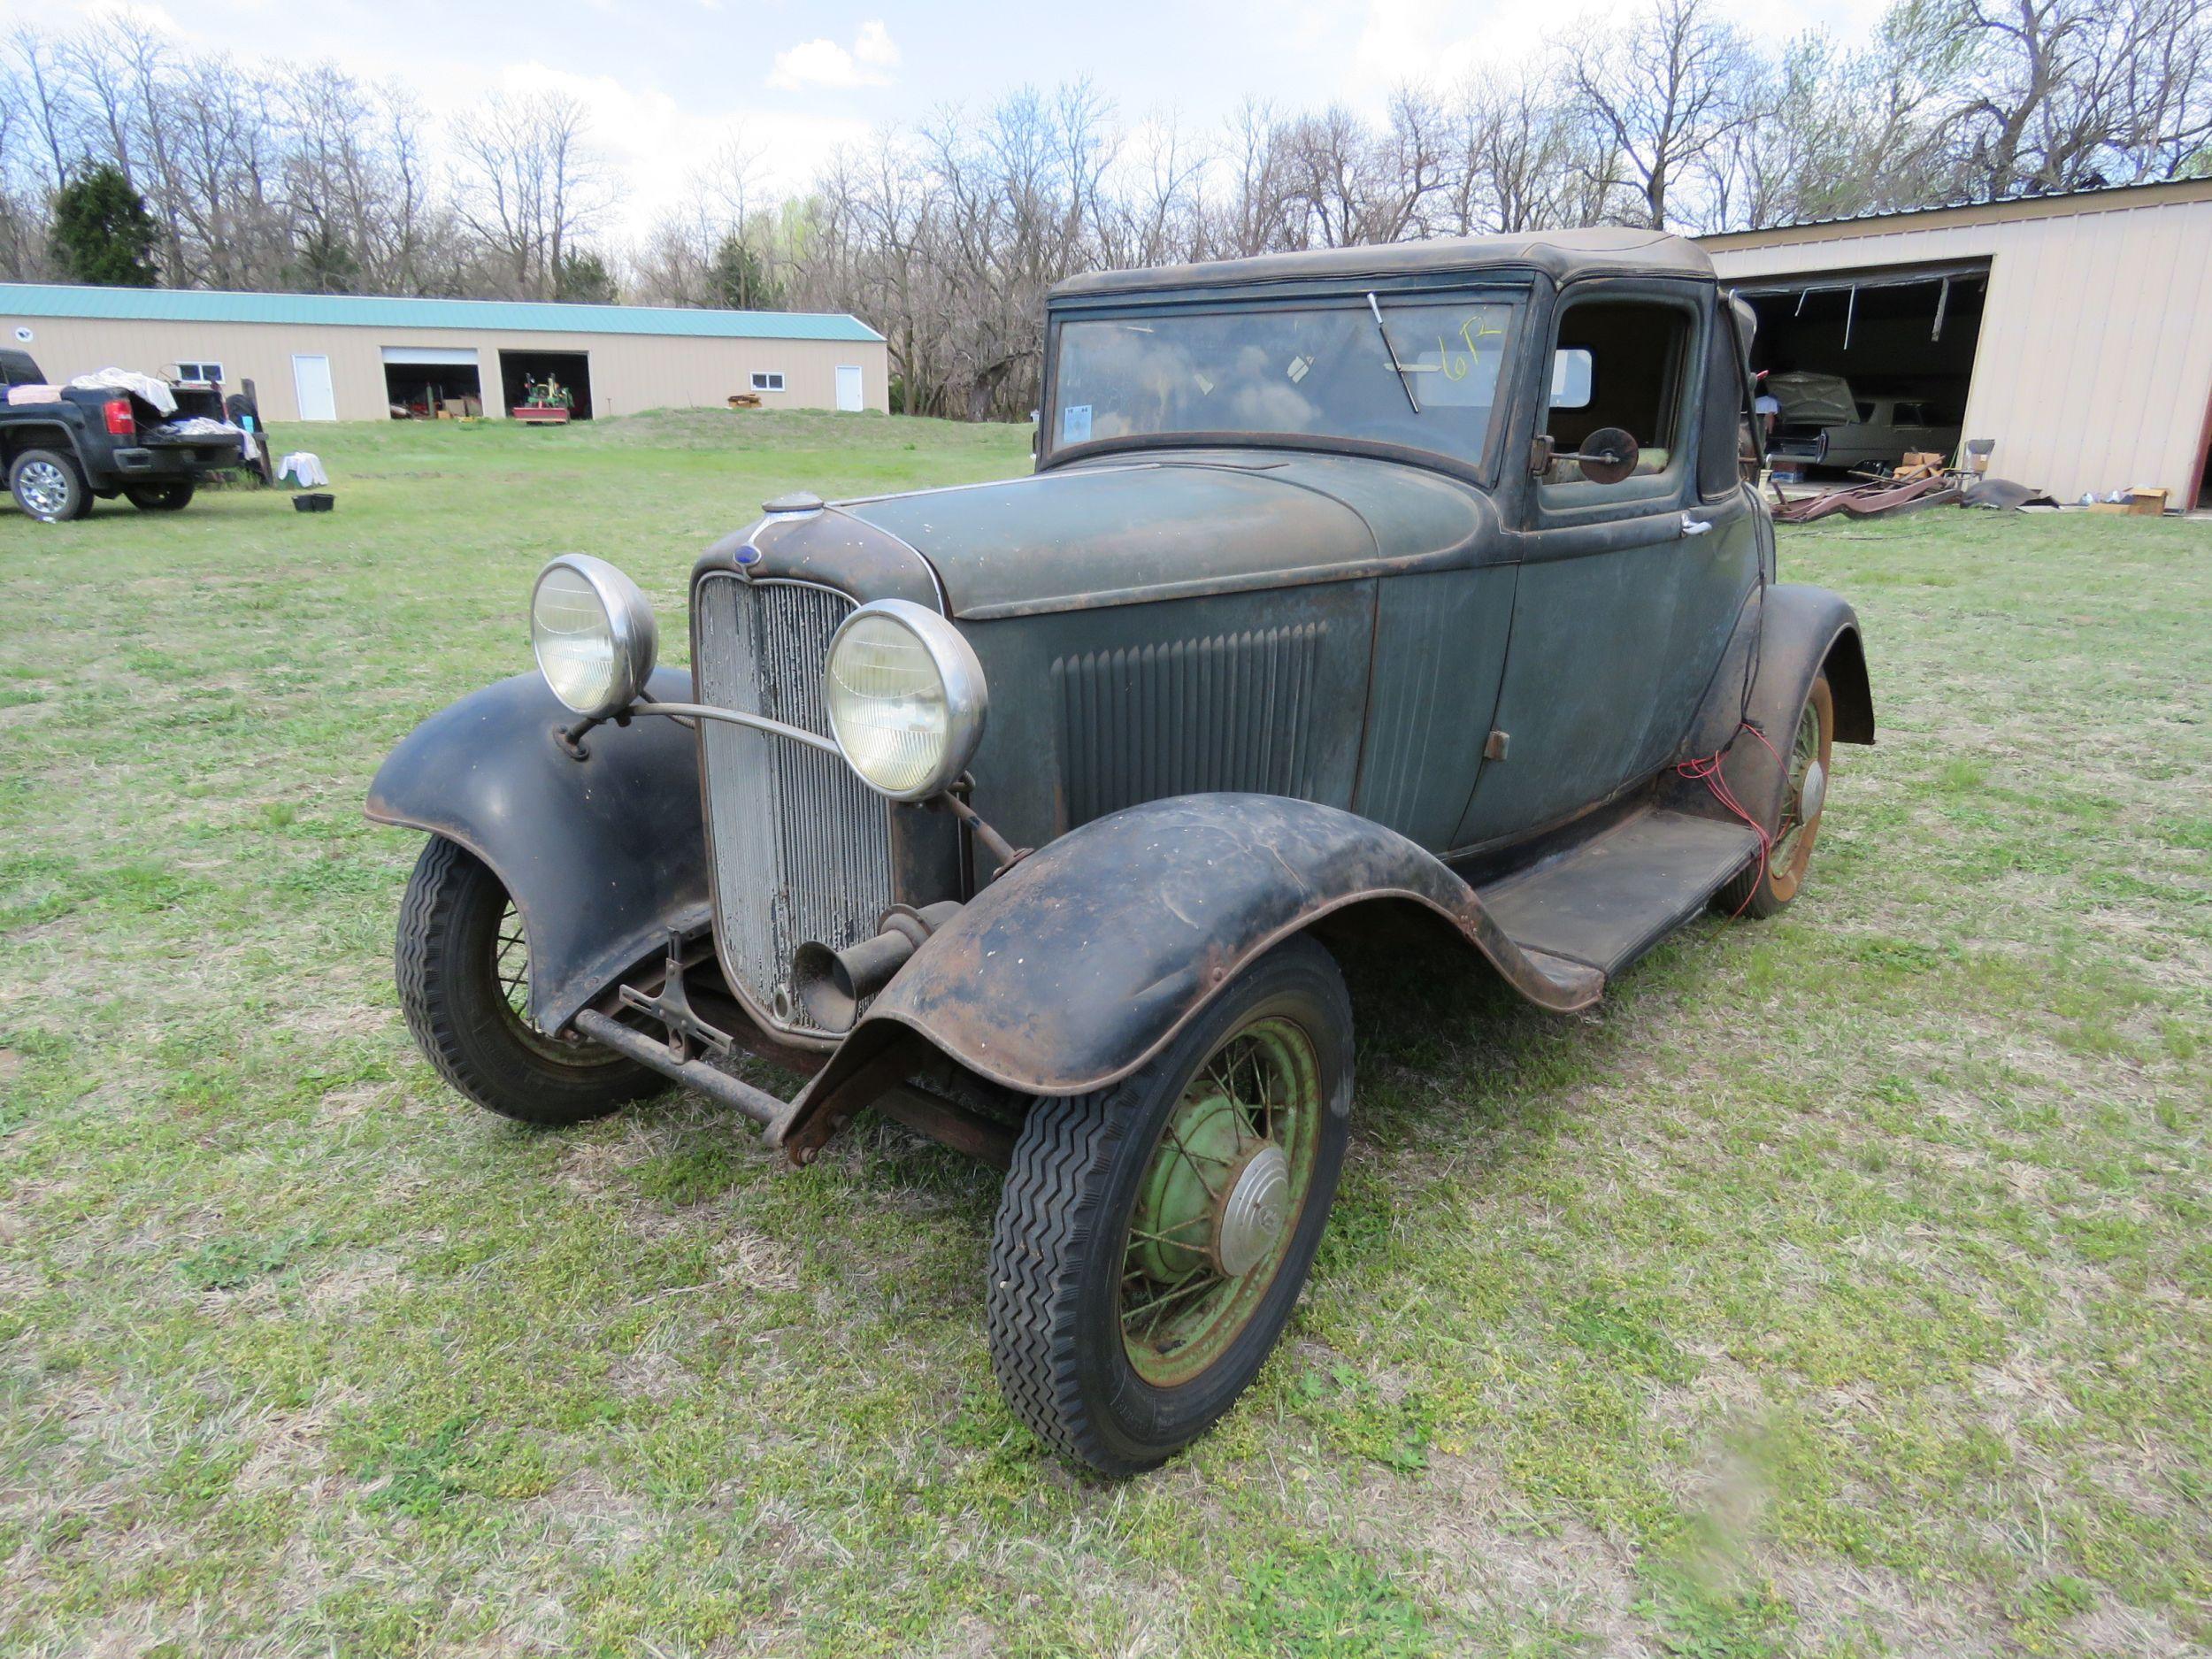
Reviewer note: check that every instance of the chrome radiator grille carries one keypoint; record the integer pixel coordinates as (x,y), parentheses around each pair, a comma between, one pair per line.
(802,848)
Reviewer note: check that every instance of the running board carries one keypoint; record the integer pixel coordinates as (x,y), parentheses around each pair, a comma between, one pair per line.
(1604,902)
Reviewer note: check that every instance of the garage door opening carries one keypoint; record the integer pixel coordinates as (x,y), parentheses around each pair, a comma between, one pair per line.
(543,380)
(432,382)
(1869,367)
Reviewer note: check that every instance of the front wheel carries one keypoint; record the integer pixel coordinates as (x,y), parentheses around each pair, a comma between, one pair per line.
(171,496)
(462,965)
(1767,887)
(1152,1237)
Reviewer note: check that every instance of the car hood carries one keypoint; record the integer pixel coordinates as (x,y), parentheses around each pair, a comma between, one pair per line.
(1175,524)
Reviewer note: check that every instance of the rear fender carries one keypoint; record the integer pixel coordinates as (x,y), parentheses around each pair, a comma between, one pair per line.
(1789,633)
(601,857)
(1086,959)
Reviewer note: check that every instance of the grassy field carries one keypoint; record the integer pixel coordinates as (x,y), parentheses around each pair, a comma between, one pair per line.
(1842,1286)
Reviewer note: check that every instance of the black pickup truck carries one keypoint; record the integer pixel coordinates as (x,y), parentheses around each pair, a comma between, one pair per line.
(64,452)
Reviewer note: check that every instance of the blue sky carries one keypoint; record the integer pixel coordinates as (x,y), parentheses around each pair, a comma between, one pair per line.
(669,80)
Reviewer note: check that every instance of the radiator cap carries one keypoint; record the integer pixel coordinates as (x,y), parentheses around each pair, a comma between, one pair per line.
(797,501)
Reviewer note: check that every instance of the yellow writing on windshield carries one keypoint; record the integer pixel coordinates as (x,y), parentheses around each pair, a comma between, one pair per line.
(1473,332)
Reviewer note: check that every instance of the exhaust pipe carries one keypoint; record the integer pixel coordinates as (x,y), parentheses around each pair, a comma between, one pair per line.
(831,985)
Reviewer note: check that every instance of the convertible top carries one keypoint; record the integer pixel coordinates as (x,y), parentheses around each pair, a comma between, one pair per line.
(1558,254)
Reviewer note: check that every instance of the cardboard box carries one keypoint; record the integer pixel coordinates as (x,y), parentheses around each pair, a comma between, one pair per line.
(2147,504)
(1923,457)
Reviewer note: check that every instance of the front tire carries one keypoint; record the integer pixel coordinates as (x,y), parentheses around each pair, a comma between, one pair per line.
(463,989)
(48,487)
(173,495)
(1152,1237)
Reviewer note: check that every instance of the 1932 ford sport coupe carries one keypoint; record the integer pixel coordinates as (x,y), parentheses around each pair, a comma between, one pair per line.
(1355,592)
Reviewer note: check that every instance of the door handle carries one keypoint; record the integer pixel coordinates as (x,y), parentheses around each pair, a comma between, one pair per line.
(1696,527)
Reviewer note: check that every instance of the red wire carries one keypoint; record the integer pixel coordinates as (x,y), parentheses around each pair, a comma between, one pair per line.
(1706,770)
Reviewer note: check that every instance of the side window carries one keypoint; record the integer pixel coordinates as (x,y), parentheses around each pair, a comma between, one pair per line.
(1724,440)
(1618,363)
(768,379)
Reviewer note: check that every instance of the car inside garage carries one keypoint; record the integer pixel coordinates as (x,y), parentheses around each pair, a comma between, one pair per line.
(1869,367)
(432,382)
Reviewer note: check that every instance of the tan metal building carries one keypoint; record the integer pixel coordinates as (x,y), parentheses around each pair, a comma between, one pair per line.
(2073,331)
(333,356)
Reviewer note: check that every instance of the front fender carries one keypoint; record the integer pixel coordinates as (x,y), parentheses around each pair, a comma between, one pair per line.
(601,857)
(1081,963)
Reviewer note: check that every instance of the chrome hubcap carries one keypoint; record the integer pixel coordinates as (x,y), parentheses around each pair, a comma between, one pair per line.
(1812,794)
(1808,780)
(1253,1215)
(43,488)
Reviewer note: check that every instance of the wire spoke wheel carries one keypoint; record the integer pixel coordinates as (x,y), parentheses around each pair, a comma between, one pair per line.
(1153,1236)
(462,960)
(511,964)
(511,979)
(1805,764)
(1803,756)
(1218,1200)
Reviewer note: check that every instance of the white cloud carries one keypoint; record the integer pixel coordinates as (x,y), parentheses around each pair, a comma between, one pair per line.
(640,128)
(824,62)
(875,45)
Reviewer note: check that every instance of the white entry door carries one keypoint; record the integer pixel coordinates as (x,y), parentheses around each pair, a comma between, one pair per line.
(848,392)
(310,387)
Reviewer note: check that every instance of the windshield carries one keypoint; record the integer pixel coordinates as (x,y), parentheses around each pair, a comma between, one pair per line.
(1318,368)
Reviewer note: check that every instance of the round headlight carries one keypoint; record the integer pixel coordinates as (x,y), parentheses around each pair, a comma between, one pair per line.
(594,634)
(905,697)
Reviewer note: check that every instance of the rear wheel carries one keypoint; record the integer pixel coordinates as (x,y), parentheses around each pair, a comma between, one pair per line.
(171,496)
(1766,888)
(47,486)
(462,965)
(1152,1239)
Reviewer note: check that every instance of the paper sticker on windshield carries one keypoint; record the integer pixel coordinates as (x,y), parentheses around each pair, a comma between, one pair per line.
(1075,424)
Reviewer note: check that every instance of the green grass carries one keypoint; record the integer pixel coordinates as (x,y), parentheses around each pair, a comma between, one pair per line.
(1840,1286)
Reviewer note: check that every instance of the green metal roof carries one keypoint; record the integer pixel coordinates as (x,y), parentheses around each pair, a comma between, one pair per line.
(362,310)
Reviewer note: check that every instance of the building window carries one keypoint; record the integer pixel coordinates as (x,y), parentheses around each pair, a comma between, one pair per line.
(199,371)
(768,381)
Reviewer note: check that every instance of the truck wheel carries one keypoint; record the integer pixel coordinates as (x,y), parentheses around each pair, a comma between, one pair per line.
(170,496)
(47,485)
(1153,1237)
(463,966)
(1765,890)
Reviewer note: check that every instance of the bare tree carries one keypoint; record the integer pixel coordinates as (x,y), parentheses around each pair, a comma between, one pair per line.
(528,182)
(2053,95)
(1666,93)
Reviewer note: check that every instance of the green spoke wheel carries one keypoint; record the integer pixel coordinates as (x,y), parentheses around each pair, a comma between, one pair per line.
(1153,1237)
(1235,1162)
(1767,891)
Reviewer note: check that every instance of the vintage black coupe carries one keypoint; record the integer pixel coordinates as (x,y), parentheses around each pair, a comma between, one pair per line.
(1355,594)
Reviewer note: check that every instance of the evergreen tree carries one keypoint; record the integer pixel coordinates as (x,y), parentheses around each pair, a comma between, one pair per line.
(103,232)
(739,279)
(584,279)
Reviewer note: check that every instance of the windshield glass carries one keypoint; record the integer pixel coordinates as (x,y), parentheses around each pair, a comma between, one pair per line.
(1320,368)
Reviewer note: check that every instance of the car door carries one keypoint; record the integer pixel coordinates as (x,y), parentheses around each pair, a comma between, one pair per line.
(1588,665)
(1717,562)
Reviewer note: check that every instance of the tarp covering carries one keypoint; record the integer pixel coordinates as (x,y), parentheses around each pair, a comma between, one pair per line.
(142,386)
(1825,399)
